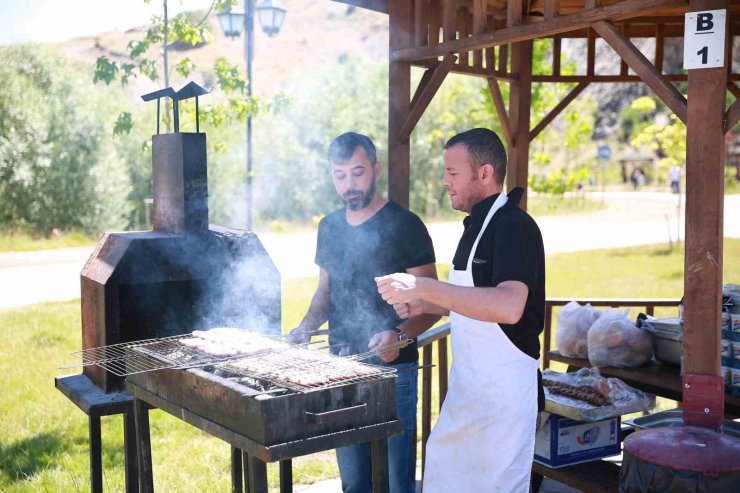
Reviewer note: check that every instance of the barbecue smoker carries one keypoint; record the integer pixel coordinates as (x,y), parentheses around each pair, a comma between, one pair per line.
(182,276)
(144,293)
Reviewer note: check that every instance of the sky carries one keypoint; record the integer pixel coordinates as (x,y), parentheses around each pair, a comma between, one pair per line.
(50,21)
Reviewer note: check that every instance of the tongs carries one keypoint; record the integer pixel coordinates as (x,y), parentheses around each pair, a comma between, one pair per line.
(390,347)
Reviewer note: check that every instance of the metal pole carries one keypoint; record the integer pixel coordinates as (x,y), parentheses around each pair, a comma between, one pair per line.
(249,54)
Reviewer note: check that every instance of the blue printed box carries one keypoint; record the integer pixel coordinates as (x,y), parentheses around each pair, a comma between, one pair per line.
(562,441)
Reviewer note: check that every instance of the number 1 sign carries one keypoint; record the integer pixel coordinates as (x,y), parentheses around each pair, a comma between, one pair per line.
(704,39)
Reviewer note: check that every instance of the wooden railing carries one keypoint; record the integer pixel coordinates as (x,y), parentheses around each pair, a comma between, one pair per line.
(438,337)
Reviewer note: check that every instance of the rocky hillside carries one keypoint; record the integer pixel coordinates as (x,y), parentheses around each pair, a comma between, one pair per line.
(313,35)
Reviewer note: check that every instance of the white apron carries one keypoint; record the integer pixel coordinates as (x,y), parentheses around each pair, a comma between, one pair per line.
(484,438)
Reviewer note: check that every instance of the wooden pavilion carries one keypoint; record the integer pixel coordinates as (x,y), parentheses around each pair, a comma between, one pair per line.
(493,39)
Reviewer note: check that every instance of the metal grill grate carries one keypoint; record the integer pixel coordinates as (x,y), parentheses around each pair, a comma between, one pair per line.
(167,352)
(302,370)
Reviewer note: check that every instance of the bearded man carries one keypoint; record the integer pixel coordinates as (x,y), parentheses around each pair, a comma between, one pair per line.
(369,237)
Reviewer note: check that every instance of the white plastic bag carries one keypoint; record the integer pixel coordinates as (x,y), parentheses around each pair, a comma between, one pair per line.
(614,340)
(574,321)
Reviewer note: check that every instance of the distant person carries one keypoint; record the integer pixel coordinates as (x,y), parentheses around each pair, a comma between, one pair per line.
(675,175)
(369,237)
(636,178)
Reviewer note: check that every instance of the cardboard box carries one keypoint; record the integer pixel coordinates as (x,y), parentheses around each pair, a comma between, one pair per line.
(562,441)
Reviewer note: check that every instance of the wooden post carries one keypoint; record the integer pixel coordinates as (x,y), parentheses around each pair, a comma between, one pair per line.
(705,152)
(519,109)
(399,93)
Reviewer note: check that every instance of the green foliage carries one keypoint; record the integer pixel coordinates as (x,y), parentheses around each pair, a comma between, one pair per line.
(58,168)
(182,28)
(123,124)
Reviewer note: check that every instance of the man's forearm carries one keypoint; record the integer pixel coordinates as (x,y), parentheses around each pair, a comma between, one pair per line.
(415,326)
(318,312)
(491,304)
(432,309)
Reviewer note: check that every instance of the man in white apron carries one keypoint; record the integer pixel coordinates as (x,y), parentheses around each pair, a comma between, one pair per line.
(495,297)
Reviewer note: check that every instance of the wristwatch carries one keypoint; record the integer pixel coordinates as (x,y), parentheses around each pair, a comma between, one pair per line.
(401,334)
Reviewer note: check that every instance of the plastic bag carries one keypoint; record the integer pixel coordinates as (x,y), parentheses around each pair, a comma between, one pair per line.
(614,340)
(574,321)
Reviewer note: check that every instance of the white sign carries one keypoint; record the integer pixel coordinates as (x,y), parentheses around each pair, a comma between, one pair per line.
(704,39)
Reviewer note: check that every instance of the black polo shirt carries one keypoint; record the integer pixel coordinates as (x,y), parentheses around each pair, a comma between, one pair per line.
(510,249)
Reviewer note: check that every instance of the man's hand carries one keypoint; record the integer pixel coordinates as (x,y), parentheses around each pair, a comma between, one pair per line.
(411,309)
(382,340)
(298,336)
(397,288)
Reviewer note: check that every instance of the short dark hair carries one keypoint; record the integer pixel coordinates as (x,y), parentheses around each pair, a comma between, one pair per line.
(344,146)
(484,147)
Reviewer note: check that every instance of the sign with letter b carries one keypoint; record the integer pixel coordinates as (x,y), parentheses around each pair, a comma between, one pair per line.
(704,39)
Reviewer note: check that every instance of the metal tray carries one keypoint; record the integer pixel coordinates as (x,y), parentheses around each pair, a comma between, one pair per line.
(674,417)
(582,411)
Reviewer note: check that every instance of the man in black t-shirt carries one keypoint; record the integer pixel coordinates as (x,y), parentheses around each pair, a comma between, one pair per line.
(495,297)
(369,237)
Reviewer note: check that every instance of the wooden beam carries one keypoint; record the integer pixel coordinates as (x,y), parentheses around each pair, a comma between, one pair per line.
(551,8)
(556,54)
(425,93)
(734,89)
(520,99)
(603,78)
(643,68)
(490,51)
(479,27)
(514,10)
(449,19)
(591,53)
(556,110)
(462,29)
(503,58)
(659,47)
(421,22)
(619,11)
(401,25)
(705,150)
(503,118)
(732,116)
(435,22)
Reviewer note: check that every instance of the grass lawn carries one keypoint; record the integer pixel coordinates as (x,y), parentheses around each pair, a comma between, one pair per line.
(43,436)
(21,242)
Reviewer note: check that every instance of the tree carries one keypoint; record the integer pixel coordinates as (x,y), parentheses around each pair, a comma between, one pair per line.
(141,61)
(57,168)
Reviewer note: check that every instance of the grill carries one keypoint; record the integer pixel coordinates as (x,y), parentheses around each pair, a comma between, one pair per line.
(145,293)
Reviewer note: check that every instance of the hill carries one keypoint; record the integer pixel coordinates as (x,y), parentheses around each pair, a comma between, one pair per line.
(313,35)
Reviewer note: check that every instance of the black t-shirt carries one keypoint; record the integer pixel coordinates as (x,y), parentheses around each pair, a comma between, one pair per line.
(510,249)
(392,240)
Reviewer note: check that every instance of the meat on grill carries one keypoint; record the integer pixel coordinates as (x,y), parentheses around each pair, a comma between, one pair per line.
(580,392)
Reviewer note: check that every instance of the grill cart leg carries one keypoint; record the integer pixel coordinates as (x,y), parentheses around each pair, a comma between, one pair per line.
(237,486)
(257,471)
(131,466)
(286,476)
(143,446)
(379,451)
(96,459)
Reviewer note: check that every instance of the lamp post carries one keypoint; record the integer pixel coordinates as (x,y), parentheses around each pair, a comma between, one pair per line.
(271,15)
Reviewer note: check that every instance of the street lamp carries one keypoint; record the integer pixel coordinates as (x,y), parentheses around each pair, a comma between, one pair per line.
(271,14)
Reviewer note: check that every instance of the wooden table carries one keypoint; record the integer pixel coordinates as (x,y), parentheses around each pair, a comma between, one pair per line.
(661,380)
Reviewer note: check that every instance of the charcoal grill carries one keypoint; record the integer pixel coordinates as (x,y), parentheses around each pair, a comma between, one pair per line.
(267,418)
